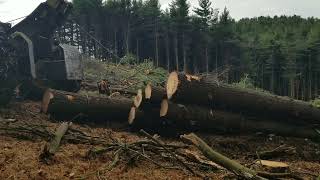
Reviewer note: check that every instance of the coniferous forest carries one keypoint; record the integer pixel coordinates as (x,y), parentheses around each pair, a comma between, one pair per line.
(280,54)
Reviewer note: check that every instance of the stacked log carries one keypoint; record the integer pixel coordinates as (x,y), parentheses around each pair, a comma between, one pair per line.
(187,89)
(191,103)
(66,104)
(196,118)
(145,110)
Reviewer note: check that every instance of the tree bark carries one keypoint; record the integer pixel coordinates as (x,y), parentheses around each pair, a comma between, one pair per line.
(196,118)
(310,78)
(176,51)
(316,85)
(128,38)
(167,51)
(156,45)
(51,148)
(137,50)
(184,49)
(207,60)
(115,42)
(65,104)
(199,91)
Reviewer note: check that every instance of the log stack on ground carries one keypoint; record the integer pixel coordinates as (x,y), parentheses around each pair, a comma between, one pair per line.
(187,89)
(196,118)
(194,104)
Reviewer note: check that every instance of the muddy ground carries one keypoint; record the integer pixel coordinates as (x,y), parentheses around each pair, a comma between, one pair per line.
(19,158)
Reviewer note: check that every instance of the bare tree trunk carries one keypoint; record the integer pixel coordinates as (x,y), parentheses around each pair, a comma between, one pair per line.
(316,85)
(137,51)
(217,60)
(185,65)
(272,72)
(115,42)
(298,89)
(156,45)
(167,51)
(310,78)
(303,91)
(292,88)
(176,51)
(207,60)
(128,39)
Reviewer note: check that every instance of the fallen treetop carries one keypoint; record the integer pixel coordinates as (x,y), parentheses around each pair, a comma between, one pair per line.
(182,88)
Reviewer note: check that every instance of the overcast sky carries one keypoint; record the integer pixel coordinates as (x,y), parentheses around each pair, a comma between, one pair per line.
(11,9)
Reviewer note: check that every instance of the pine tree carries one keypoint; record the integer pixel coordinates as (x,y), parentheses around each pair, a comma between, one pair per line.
(179,10)
(205,12)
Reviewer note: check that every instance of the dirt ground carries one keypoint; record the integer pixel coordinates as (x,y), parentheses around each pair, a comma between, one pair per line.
(19,159)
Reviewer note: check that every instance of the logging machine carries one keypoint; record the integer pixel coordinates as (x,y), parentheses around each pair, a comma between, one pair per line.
(29,53)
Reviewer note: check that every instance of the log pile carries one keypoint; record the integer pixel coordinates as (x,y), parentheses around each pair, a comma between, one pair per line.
(192,103)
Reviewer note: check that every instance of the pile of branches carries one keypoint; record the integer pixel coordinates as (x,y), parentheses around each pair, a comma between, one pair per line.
(150,149)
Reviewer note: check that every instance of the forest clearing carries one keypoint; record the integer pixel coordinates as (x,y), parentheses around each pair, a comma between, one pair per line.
(127,89)
(90,146)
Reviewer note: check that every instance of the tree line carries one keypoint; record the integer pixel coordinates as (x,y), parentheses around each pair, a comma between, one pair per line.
(280,54)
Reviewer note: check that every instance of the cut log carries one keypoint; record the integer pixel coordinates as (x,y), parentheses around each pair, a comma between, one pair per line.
(232,165)
(146,106)
(273,166)
(62,103)
(51,148)
(220,159)
(203,119)
(188,89)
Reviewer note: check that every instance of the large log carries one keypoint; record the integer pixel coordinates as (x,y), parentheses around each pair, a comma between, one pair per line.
(188,89)
(195,118)
(68,104)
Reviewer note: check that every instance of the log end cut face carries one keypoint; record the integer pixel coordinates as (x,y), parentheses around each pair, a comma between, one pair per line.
(164,108)
(48,95)
(132,115)
(137,100)
(172,84)
(148,91)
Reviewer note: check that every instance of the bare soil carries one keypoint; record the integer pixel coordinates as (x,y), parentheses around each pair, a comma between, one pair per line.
(19,159)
